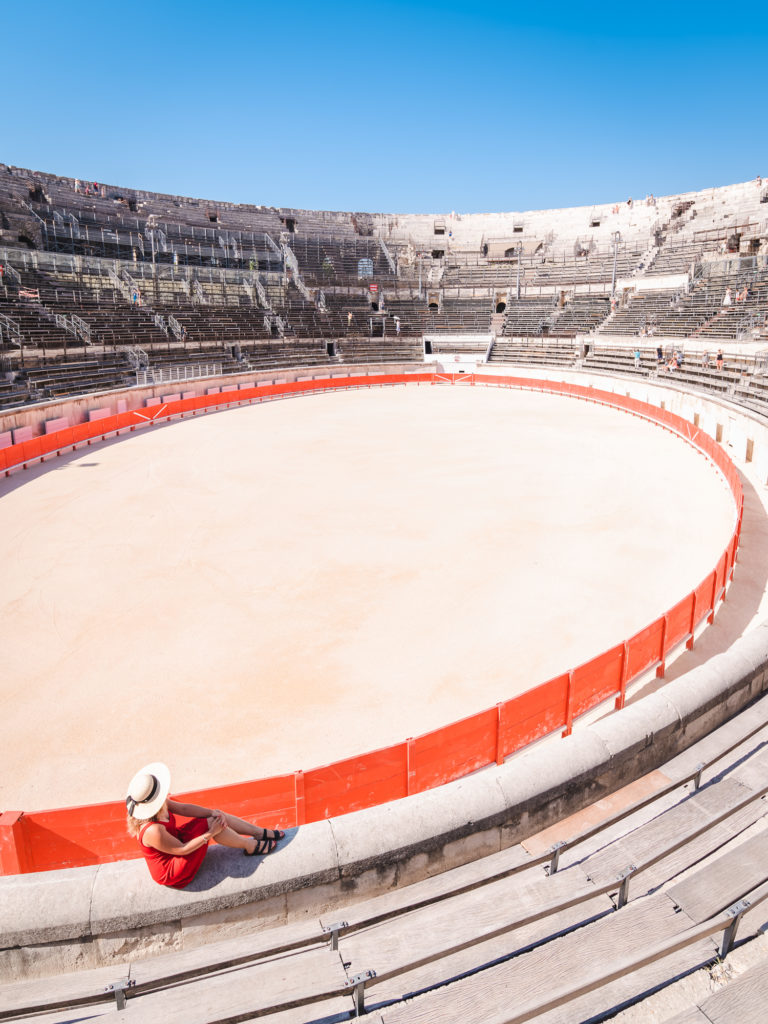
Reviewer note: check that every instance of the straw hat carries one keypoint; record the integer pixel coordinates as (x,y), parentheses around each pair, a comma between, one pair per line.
(148,791)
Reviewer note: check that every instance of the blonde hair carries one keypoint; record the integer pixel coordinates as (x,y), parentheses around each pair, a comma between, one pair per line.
(134,825)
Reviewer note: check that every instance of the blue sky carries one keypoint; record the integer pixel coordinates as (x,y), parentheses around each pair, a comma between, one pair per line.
(395,107)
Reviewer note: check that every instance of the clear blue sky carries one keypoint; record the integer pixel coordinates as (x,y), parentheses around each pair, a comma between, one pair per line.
(401,107)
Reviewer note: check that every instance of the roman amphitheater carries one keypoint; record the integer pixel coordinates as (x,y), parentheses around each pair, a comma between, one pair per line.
(439,542)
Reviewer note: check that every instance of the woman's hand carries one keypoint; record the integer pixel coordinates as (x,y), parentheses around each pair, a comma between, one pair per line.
(216,824)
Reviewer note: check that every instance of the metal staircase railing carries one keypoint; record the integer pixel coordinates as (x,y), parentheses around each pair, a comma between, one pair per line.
(10,331)
(175,326)
(119,284)
(293,265)
(387,256)
(82,329)
(273,245)
(11,272)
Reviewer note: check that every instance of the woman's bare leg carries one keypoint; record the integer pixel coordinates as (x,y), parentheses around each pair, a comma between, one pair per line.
(235,834)
(228,837)
(244,828)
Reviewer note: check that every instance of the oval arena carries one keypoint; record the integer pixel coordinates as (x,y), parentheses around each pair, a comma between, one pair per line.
(454,598)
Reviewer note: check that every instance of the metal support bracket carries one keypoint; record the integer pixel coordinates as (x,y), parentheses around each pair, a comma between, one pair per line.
(357,982)
(697,776)
(120,988)
(729,935)
(556,850)
(624,877)
(333,930)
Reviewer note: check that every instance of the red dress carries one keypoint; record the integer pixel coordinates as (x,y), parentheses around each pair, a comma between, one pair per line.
(170,868)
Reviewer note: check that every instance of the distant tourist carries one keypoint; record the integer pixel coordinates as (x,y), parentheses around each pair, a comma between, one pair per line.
(637,358)
(349,318)
(77,184)
(659,355)
(727,297)
(719,359)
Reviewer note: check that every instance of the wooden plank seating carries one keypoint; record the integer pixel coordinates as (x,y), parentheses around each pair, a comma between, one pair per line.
(744,999)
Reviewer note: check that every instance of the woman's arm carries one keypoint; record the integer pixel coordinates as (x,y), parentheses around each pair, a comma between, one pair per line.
(159,838)
(190,810)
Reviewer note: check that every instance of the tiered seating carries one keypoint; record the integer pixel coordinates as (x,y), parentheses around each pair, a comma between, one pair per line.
(460,316)
(379,350)
(620,360)
(529,316)
(642,314)
(582,314)
(533,352)
(77,378)
(173,246)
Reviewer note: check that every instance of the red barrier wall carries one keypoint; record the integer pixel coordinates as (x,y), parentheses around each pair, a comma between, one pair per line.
(95,834)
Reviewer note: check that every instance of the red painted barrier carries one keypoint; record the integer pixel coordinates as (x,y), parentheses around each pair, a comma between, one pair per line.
(74,836)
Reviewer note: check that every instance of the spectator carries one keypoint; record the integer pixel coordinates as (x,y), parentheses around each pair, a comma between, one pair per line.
(727,297)
(705,361)
(349,319)
(174,852)
(77,184)
(637,358)
(659,355)
(397,325)
(719,359)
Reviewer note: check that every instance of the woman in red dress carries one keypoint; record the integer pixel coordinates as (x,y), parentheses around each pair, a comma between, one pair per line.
(174,852)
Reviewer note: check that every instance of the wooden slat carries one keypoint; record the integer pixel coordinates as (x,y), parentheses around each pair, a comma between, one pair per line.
(432,890)
(693,1015)
(293,980)
(427,935)
(719,884)
(671,829)
(744,1000)
(513,990)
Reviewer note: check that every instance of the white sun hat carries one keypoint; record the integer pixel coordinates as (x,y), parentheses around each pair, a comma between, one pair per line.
(148,791)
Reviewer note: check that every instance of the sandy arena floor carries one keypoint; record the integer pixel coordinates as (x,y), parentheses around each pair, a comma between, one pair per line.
(280,586)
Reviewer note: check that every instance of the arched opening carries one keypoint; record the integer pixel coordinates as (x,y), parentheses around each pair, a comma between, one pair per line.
(433,307)
(501,306)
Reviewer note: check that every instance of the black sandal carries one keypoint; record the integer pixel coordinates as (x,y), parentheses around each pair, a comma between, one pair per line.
(266,844)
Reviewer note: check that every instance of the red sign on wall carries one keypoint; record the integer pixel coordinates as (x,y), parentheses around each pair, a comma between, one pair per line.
(373,287)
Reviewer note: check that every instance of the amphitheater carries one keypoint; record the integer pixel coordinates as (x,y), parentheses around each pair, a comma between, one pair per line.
(510,713)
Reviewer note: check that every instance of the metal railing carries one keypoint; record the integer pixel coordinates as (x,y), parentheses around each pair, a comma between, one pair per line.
(10,332)
(176,327)
(176,374)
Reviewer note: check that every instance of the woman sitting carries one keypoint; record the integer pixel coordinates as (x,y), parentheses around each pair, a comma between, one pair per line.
(174,852)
